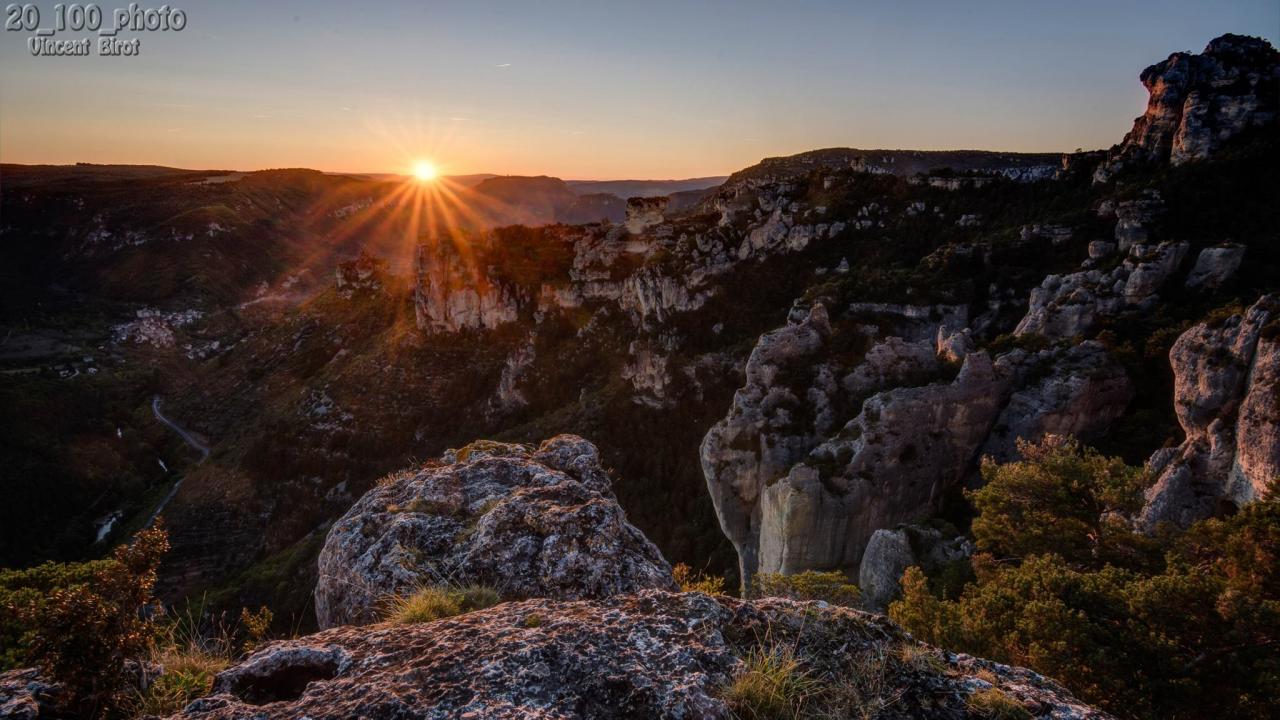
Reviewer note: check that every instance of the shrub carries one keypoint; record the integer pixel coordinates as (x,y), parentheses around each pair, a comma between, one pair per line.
(84,635)
(1194,636)
(435,602)
(994,704)
(832,587)
(690,580)
(23,593)
(256,625)
(772,684)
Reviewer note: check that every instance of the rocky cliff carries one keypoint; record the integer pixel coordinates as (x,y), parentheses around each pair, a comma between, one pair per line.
(1227,396)
(1199,101)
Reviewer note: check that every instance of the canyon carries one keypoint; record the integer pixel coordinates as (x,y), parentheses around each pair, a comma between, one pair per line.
(801,368)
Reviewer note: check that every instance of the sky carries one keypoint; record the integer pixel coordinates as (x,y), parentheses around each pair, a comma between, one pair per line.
(596,90)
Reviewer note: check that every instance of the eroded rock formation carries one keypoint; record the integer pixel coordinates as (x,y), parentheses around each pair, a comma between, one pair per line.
(1200,101)
(817,452)
(531,523)
(1227,398)
(451,293)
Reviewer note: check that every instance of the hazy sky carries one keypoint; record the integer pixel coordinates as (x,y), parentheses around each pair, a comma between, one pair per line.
(595,90)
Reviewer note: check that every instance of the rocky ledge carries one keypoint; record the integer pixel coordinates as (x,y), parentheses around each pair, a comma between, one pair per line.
(531,523)
(651,654)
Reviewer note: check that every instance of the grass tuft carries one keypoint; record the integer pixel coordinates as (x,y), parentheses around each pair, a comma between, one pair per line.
(772,685)
(435,602)
(993,704)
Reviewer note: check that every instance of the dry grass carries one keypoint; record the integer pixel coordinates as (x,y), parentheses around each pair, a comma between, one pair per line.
(922,658)
(691,580)
(994,704)
(869,688)
(772,685)
(435,602)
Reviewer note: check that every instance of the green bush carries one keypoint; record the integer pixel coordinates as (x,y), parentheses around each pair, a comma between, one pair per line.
(1193,635)
(85,634)
(1060,498)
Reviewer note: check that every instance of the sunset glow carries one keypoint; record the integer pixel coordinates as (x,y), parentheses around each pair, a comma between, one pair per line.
(424,171)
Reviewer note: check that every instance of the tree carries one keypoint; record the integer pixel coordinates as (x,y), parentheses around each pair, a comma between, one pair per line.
(1195,633)
(1062,499)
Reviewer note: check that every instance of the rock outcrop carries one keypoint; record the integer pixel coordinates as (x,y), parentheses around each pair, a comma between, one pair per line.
(1215,266)
(453,294)
(1227,398)
(1200,101)
(644,213)
(814,456)
(364,274)
(531,523)
(1064,306)
(26,695)
(1080,392)
(647,655)
(892,550)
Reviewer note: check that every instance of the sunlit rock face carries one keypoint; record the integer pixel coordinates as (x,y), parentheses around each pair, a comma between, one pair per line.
(530,523)
(644,213)
(1200,101)
(1226,386)
(650,654)
(452,293)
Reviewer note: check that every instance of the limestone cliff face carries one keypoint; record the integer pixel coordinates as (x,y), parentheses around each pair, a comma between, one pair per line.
(1200,101)
(817,454)
(1227,378)
(452,293)
(531,523)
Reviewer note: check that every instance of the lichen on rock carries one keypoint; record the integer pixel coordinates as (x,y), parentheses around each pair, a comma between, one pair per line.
(531,523)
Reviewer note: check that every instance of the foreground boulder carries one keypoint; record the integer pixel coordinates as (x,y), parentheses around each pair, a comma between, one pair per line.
(652,654)
(531,523)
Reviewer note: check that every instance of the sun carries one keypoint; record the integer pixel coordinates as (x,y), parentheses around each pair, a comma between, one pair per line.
(424,171)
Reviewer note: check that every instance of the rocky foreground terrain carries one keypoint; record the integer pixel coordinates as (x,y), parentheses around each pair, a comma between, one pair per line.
(646,655)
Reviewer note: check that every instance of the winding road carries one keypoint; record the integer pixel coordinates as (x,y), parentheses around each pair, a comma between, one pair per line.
(189,439)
